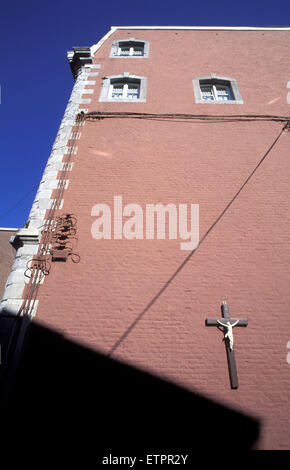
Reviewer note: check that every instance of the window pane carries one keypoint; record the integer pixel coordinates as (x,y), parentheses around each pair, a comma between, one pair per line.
(207,93)
(124,50)
(138,50)
(117,91)
(133,91)
(223,93)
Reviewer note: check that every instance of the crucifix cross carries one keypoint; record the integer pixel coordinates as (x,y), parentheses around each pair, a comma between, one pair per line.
(228,324)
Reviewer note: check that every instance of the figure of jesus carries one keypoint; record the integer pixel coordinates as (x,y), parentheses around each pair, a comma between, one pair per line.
(229,333)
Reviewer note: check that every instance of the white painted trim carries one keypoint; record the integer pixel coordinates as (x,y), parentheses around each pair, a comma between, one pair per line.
(213,28)
(107,89)
(97,46)
(4,229)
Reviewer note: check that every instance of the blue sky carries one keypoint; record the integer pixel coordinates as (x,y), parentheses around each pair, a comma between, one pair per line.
(36,81)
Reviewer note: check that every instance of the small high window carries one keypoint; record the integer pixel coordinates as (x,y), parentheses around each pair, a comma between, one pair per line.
(215,92)
(214,89)
(124,88)
(131,48)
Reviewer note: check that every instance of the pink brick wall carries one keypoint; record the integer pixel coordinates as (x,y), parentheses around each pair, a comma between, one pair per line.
(246,257)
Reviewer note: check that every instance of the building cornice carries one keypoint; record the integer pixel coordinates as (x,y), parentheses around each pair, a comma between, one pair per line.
(79,57)
(213,28)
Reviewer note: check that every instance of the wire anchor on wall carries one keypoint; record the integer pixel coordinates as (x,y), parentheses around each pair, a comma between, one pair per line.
(39,265)
(63,239)
(57,242)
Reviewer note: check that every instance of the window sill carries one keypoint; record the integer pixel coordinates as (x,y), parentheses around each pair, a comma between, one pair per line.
(219,102)
(121,100)
(128,57)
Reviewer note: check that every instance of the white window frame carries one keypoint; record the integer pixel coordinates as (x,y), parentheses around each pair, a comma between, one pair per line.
(131,51)
(116,50)
(213,80)
(125,79)
(125,87)
(214,91)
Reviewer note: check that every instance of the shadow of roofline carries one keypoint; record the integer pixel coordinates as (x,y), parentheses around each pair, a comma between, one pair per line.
(82,403)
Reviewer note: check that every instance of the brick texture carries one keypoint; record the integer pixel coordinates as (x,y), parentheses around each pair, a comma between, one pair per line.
(244,260)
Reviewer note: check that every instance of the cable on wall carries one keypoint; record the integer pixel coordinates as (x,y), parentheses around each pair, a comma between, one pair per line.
(178,270)
(98,115)
(39,266)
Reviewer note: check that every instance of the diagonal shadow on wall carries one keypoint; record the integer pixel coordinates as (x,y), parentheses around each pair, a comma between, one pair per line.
(68,402)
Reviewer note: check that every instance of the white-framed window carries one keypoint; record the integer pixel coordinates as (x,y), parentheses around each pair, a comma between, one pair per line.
(130,48)
(124,88)
(127,49)
(214,89)
(215,92)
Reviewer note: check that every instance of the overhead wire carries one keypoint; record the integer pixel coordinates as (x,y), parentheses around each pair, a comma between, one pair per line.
(183,117)
(186,260)
(16,204)
(39,264)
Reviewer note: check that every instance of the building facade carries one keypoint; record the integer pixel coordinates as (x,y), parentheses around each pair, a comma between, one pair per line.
(196,120)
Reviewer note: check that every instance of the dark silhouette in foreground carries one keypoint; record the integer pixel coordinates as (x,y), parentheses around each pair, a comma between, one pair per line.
(63,401)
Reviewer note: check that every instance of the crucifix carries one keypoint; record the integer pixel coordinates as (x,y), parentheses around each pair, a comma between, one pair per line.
(228,324)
